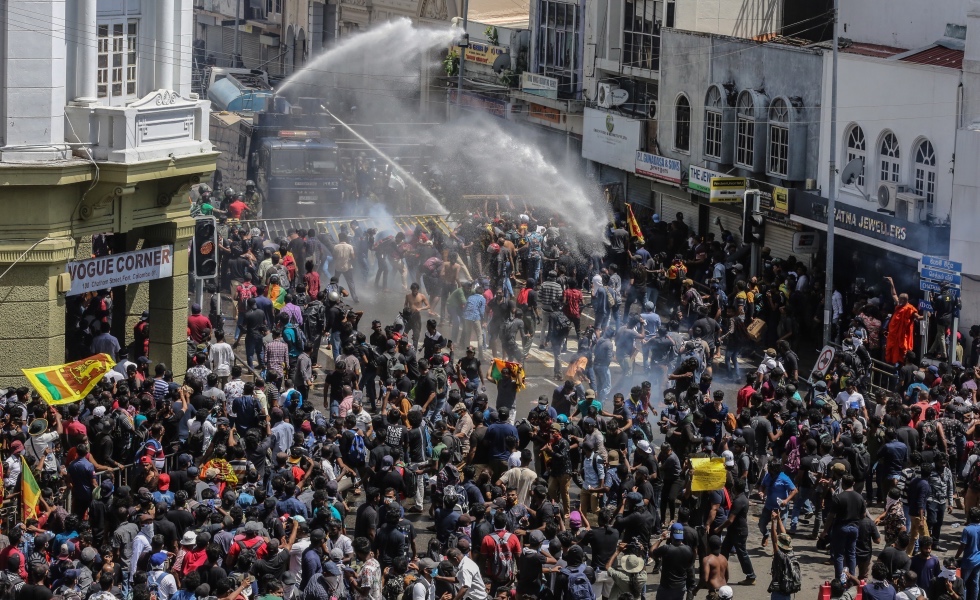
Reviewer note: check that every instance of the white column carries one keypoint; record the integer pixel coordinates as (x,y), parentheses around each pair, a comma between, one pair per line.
(166,55)
(86,52)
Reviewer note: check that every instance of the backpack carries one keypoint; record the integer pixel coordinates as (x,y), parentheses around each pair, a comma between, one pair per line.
(522,297)
(409,592)
(821,433)
(502,566)
(154,582)
(298,342)
(358,449)
(8,586)
(455,448)
(313,319)
(579,587)
(611,297)
(563,324)
(862,462)
(441,379)
(426,441)
(787,577)
(793,460)
(731,423)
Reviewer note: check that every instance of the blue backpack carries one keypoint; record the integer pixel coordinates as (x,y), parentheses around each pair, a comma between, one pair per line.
(579,587)
(358,449)
(426,441)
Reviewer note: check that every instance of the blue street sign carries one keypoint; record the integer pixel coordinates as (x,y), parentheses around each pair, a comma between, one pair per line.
(932,286)
(941,276)
(941,263)
(925,306)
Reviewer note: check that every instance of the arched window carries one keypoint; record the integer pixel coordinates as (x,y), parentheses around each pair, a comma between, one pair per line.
(745,131)
(889,156)
(713,123)
(925,171)
(682,124)
(779,138)
(857,148)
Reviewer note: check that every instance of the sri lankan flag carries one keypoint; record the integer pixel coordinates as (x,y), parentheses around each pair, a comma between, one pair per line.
(29,491)
(633,225)
(64,384)
(497,372)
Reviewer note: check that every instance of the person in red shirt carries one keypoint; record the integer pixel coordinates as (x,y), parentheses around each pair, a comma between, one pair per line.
(194,547)
(251,540)
(573,305)
(488,548)
(198,326)
(74,428)
(745,394)
(311,279)
(237,208)
(11,551)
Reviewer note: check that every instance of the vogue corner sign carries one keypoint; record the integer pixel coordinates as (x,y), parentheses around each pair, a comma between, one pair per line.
(120,269)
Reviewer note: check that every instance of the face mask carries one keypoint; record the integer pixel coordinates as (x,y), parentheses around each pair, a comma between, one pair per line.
(389,500)
(683,413)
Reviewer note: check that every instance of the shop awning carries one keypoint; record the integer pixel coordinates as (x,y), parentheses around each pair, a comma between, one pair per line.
(857,237)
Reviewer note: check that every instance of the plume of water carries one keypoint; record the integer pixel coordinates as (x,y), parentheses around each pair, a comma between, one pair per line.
(490,159)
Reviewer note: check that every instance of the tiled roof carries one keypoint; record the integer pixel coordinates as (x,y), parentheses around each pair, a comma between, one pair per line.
(938,56)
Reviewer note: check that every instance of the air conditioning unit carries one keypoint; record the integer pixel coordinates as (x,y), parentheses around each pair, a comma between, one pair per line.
(887,196)
(605,95)
(651,109)
(909,206)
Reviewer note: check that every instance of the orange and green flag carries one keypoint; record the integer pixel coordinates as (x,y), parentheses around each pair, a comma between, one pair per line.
(30,493)
(633,225)
(64,384)
(516,370)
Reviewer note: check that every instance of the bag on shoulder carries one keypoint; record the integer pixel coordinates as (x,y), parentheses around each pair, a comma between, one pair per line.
(787,577)
(579,587)
(502,565)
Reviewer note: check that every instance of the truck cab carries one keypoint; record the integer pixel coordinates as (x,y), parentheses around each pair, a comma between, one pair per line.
(298,174)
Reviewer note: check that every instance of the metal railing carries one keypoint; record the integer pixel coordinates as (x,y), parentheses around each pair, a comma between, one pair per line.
(883,377)
(279,228)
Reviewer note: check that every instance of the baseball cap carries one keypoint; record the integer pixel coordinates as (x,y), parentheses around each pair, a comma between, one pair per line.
(537,536)
(644,446)
(158,559)
(725,592)
(677,531)
(729,458)
(163,482)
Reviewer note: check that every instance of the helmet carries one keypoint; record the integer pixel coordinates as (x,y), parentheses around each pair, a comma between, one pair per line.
(494,248)
(333,297)
(206,196)
(249,183)
(203,188)
(229,192)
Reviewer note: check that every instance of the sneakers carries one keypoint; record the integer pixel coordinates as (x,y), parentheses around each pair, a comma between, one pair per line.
(747,581)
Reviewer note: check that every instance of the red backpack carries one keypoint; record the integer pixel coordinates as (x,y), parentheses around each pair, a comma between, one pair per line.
(522,297)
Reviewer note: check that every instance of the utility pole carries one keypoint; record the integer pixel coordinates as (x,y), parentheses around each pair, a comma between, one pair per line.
(464,43)
(238,19)
(828,295)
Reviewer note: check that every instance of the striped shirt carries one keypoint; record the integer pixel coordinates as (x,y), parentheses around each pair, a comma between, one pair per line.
(276,355)
(550,296)
(160,388)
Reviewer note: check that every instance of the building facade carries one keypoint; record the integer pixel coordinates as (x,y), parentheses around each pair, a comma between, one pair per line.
(101,140)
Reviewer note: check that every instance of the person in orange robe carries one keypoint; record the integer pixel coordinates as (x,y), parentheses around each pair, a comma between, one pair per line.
(901,329)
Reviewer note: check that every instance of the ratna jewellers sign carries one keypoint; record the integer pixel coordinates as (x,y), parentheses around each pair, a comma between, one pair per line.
(879,226)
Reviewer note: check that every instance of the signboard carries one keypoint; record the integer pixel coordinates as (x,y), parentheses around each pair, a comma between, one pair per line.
(940,276)
(611,139)
(544,113)
(925,306)
(539,85)
(883,227)
(658,167)
(494,106)
(482,53)
(699,178)
(707,474)
(936,262)
(824,361)
(780,200)
(727,190)
(931,286)
(120,269)
(806,242)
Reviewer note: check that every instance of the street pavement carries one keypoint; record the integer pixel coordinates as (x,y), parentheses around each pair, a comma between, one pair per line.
(816,565)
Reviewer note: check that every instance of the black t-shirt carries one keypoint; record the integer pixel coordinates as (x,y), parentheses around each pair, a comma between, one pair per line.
(848,506)
(394,435)
(181,518)
(530,565)
(416,446)
(602,541)
(254,319)
(676,562)
(33,592)
(867,534)
(367,519)
(482,454)
(896,559)
(390,543)
(740,508)
(806,466)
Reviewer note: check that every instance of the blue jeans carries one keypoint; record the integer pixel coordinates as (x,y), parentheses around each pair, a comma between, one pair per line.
(843,548)
(435,409)
(766,518)
(803,500)
(731,358)
(653,294)
(254,349)
(335,343)
(971,581)
(602,382)
(779,596)
(507,287)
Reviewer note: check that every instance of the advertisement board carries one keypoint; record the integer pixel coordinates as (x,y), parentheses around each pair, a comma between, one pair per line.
(611,139)
(658,167)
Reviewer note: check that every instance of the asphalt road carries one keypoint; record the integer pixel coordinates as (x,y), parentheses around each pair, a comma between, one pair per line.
(817,567)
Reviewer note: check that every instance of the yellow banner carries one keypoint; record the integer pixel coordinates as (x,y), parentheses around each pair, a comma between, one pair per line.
(64,384)
(708,474)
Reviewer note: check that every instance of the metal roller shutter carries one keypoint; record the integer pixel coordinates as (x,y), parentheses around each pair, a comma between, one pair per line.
(213,43)
(730,220)
(669,206)
(251,50)
(779,239)
(639,191)
(227,46)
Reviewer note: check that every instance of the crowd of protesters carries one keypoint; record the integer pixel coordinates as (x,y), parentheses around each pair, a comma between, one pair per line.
(306,468)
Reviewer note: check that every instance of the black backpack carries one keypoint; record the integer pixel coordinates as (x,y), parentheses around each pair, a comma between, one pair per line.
(313,319)
(862,462)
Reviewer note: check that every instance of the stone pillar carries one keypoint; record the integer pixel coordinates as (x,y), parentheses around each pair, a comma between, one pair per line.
(86,52)
(168,297)
(32,311)
(34,90)
(166,45)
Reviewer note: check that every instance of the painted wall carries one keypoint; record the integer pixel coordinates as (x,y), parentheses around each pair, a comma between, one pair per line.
(900,23)
(692,62)
(913,101)
(739,18)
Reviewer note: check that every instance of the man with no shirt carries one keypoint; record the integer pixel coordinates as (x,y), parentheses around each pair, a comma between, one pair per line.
(714,568)
(415,303)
